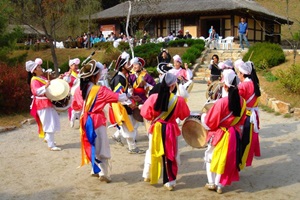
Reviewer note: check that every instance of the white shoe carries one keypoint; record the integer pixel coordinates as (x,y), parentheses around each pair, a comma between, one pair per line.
(71,124)
(54,149)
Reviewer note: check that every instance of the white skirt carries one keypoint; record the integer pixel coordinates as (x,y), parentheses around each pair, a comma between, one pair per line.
(49,119)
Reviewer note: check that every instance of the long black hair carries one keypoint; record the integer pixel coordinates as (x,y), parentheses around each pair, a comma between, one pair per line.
(84,84)
(163,96)
(29,76)
(255,81)
(234,99)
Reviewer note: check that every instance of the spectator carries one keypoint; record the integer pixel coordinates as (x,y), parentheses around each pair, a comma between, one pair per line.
(180,34)
(213,38)
(210,30)
(243,33)
(187,35)
(145,36)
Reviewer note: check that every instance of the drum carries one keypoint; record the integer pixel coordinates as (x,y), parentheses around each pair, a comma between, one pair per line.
(214,90)
(57,90)
(62,105)
(193,132)
(207,106)
(136,115)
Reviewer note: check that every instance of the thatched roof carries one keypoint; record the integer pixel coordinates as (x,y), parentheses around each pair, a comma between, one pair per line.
(26,29)
(171,7)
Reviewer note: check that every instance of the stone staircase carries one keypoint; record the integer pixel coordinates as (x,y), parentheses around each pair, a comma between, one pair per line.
(201,71)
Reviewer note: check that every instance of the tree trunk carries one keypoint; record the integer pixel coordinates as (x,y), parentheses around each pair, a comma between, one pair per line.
(54,58)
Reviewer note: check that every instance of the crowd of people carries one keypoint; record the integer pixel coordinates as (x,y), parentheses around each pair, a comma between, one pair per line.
(232,123)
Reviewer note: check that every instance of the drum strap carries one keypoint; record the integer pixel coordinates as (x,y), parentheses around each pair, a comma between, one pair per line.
(38,79)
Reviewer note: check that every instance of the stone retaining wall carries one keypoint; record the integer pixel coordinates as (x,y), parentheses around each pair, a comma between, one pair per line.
(278,106)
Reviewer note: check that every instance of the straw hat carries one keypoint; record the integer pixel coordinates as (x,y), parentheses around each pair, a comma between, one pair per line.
(163,68)
(122,60)
(88,69)
(57,90)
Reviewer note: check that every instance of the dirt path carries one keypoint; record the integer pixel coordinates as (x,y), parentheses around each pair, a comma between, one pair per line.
(29,171)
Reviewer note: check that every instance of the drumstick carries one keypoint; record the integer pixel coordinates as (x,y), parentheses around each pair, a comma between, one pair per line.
(250,55)
(48,71)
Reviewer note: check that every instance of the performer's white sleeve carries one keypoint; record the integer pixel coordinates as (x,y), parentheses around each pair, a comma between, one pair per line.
(41,91)
(122,97)
(67,79)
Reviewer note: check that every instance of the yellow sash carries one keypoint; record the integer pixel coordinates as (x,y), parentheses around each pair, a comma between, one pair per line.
(74,74)
(38,79)
(88,104)
(120,113)
(157,150)
(139,79)
(218,161)
(33,111)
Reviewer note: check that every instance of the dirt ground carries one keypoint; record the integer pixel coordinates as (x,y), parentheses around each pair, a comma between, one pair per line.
(29,170)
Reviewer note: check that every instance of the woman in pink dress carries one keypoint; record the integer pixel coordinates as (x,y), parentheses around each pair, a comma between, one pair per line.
(249,90)
(41,108)
(163,109)
(223,121)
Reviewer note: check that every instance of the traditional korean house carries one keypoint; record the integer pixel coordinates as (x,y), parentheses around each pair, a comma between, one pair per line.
(161,17)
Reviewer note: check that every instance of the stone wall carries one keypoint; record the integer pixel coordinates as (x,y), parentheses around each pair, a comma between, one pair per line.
(278,106)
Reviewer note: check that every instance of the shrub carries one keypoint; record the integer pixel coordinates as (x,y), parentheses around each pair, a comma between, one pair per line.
(270,77)
(103,45)
(177,43)
(152,71)
(265,55)
(193,53)
(148,52)
(123,46)
(290,78)
(188,58)
(14,90)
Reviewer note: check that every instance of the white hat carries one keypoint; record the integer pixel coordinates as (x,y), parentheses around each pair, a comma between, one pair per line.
(138,60)
(170,79)
(238,63)
(75,61)
(57,90)
(177,58)
(228,64)
(228,77)
(187,31)
(30,66)
(246,68)
(221,65)
(38,61)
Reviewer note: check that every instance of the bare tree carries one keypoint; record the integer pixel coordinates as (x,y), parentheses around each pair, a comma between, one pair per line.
(295,37)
